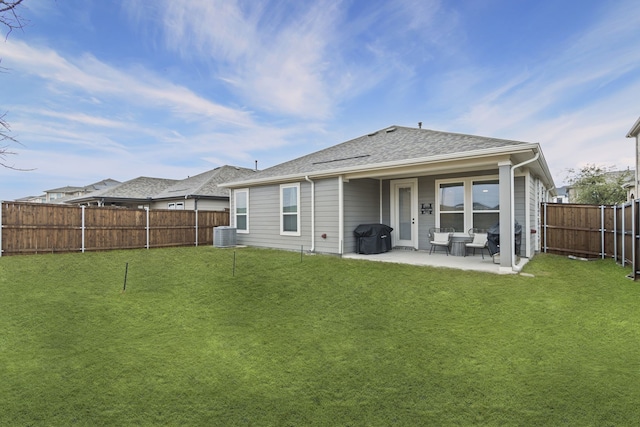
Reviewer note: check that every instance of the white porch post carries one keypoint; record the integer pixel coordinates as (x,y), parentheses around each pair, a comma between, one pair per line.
(506,239)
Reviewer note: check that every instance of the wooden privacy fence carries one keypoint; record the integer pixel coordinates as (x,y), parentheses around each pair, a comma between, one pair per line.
(591,231)
(33,228)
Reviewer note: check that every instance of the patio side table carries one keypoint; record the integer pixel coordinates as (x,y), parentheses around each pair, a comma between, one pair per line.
(458,244)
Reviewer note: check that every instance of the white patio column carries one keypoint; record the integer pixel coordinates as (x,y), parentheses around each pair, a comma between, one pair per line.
(506,240)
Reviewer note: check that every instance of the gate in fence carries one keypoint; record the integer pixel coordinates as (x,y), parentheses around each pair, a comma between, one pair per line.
(591,231)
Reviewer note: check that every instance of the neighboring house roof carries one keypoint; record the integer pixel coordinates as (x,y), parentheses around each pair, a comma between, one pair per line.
(393,147)
(38,199)
(105,183)
(141,188)
(87,188)
(71,192)
(66,189)
(635,129)
(204,185)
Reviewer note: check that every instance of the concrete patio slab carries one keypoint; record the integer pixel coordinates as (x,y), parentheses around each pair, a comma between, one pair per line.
(413,257)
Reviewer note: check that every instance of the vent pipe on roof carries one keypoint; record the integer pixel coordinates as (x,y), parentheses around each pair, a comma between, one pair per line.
(419,125)
(256,167)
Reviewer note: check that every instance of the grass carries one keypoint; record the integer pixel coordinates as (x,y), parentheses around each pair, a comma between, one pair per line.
(313,341)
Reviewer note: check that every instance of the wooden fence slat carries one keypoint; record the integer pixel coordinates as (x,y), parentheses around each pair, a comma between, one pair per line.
(33,228)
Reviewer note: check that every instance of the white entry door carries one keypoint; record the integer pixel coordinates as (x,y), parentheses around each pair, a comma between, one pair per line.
(404,212)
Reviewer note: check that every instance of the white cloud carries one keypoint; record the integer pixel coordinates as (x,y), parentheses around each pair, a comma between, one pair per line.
(298,59)
(276,64)
(132,86)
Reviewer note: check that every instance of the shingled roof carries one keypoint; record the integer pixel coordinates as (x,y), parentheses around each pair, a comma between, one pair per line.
(144,188)
(205,184)
(139,188)
(392,144)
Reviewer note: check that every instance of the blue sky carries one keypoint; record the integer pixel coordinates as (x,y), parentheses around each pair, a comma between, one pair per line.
(164,88)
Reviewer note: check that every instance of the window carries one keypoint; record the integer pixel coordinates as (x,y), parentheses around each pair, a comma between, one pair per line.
(176,205)
(468,203)
(486,203)
(290,209)
(241,211)
(452,205)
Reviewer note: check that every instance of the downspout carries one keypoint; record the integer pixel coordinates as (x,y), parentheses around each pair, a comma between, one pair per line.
(313,213)
(513,205)
(195,209)
(341,215)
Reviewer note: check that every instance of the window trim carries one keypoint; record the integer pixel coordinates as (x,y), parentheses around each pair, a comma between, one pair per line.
(468,210)
(235,210)
(178,206)
(282,213)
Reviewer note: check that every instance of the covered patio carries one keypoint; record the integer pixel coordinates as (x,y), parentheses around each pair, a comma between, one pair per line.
(421,257)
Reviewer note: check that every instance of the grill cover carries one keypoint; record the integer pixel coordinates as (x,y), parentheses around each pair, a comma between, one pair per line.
(373,238)
(493,238)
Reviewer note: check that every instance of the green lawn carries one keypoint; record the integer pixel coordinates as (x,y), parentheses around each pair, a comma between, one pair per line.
(313,341)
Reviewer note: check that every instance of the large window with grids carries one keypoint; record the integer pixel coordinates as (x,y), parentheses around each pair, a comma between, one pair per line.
(466,203)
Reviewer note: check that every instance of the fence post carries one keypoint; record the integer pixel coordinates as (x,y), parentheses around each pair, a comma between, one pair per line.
(544,227)
(615,232)
(1,202)
(633,239)
(147,209)
(602,231)
(82,228)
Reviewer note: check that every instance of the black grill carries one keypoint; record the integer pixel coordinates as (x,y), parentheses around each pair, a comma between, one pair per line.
(373,238)
(493,238)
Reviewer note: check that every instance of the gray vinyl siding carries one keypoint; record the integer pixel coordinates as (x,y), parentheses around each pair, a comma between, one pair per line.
(326,212)
(426,195)
(361,206)
(386,202)
(189,204)
(535,196)
(264,219)
(212,205)
(520,211)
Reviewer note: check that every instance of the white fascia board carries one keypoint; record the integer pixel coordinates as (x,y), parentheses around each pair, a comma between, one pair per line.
(378,168)
(635,129)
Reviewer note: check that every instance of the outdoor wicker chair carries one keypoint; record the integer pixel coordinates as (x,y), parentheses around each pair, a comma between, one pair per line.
(479,241)
(440,237)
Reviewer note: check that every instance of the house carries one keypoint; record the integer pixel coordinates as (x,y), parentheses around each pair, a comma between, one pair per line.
(410,179)
(562,195)
(58,195)
(193,193)
(623,179)
(33,199)
(634,132)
